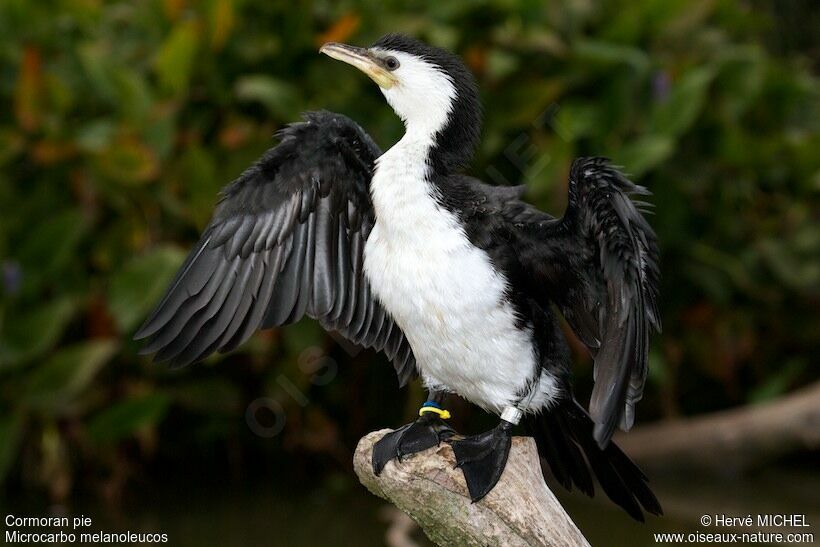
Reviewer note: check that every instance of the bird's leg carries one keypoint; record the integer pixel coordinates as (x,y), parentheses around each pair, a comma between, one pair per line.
(482,457)
(426,432)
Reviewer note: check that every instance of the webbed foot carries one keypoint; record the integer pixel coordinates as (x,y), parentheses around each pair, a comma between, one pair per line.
(482,458)
(426,432)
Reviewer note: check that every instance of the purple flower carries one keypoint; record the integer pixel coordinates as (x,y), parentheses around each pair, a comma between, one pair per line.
(12,276)
(661,85)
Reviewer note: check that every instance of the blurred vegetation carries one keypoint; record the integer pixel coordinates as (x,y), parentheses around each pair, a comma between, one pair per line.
(123,119)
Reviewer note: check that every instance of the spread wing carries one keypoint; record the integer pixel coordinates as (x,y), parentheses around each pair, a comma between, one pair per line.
(286,240)
(599,265)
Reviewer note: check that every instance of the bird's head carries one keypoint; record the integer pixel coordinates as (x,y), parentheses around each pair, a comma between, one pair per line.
(428,87)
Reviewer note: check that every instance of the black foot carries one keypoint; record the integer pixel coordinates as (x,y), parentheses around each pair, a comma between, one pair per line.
(426,432)
(482,458)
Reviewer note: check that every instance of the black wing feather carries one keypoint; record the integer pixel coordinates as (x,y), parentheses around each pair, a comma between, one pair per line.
(286,241)
(599,264)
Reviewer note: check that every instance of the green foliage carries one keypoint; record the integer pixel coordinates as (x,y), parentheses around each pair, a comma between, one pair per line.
(140,283)
(62,379)
(11,429)
(126,118)
(36,331)
(125,418)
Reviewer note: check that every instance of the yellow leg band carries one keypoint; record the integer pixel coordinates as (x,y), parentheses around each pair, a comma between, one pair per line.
(443,414)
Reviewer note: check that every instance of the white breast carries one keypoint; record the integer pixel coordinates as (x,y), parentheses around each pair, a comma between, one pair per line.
(442,291)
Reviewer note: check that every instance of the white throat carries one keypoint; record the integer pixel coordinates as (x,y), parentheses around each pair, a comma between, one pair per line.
(402,193)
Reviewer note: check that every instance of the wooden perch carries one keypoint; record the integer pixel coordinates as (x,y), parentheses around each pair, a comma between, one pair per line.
(520,510)
(731,440)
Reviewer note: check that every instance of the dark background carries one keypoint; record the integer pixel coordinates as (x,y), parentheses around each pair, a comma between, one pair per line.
(121,121)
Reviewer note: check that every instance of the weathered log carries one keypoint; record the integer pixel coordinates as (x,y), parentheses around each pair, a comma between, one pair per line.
(520,510)
(732,440)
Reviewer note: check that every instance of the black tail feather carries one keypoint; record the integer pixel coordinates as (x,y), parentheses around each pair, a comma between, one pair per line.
(564,436)
(566,461)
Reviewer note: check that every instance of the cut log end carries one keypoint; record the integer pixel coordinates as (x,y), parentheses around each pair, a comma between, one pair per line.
(520,510)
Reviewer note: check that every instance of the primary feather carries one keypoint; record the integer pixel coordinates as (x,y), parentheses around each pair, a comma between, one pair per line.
(286,241)
(599,265)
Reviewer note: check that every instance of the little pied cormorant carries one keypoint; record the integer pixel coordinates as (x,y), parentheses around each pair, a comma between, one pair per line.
(453,279)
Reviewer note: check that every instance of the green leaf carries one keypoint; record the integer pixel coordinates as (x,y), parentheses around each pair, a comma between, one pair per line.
(643,154)
(199,167)
(175,60)
(778,383)
(725,263)
(658,368)
(159,132)
(95,61)
(95,135)
(792,265)
(210,396)
(11,144)
(685,102)
(35,331)
(133,97)
(741,77)
(60,379)
(135,289)
(501,64)
(607,53)
(11,432)
(280,98)
(127,417)
(576,120)
(50,246)
(128,161)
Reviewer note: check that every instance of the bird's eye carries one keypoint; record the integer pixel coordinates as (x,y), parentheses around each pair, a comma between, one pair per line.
(391,63)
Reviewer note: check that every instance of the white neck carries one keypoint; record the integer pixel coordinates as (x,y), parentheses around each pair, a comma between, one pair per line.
(414,145)
(423,129)
(402,194)
(423,97)
(403,197)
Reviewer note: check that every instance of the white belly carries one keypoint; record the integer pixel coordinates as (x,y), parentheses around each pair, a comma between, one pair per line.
(445,295)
